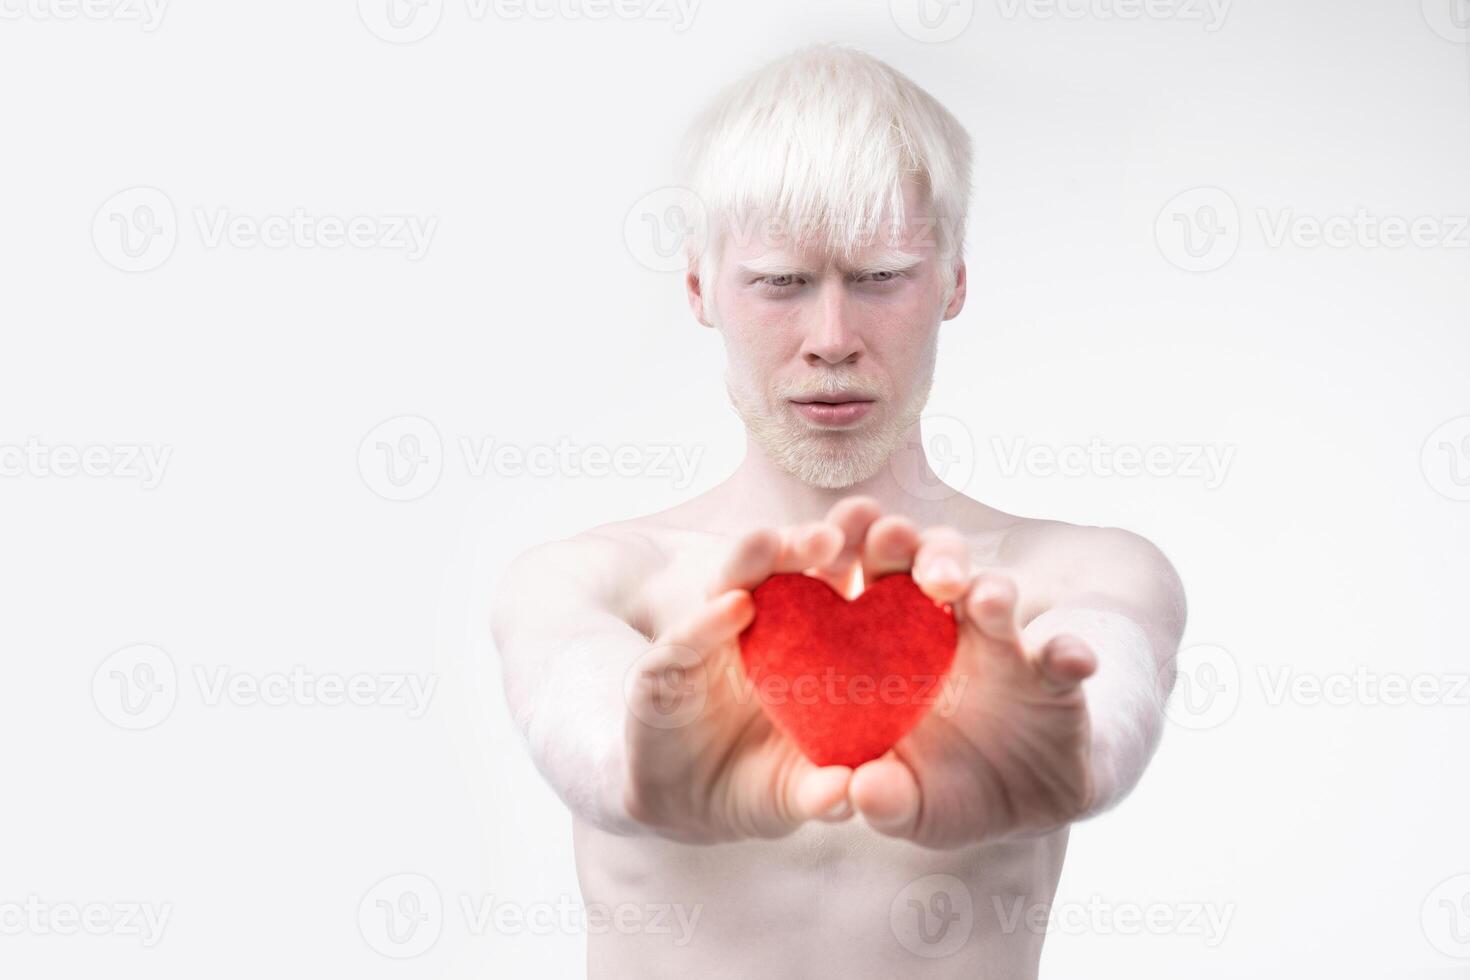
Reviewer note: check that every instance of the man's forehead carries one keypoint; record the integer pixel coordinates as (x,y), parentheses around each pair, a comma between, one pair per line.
(776,261)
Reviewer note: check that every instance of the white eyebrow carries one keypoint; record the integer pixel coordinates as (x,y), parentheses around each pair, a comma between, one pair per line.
(891,260)
(770,265)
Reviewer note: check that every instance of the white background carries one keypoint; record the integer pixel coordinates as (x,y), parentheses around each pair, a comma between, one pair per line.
(1334,546)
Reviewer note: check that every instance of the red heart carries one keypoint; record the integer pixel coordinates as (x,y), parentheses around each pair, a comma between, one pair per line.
(846,680)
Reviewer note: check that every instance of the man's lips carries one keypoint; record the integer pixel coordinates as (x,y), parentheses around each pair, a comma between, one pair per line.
(833,410)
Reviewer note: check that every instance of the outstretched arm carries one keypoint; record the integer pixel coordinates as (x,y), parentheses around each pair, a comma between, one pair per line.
(1124,601)
(1053,723)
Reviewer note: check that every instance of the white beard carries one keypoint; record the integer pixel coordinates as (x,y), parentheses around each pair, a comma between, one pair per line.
(831,460)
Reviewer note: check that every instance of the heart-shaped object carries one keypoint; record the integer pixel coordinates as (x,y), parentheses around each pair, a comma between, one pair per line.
(845,680)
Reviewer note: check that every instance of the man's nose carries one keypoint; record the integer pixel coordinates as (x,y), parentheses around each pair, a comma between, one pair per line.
(832,338)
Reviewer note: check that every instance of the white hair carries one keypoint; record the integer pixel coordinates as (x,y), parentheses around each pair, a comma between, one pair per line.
(821,141)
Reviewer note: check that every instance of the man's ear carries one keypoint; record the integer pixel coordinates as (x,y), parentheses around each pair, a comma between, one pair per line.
(957,298)
(696,295)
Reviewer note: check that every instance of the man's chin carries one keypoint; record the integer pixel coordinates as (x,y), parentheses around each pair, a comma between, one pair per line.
(832,460)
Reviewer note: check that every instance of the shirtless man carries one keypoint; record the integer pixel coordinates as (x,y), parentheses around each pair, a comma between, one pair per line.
(620,647)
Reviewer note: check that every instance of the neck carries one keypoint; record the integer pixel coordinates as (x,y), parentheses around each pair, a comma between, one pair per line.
(761,492)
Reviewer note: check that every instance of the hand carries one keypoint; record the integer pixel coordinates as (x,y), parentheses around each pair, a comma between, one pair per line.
(1010,755)
(704,762)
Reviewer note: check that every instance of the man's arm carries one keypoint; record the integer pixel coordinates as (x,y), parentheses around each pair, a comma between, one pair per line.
(1119,594)
(657,736)
(564,656)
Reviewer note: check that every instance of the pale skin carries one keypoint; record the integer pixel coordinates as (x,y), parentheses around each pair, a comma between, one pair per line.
(774,866)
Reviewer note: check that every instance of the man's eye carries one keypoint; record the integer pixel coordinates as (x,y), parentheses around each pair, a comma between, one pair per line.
(779,282)
(879,275)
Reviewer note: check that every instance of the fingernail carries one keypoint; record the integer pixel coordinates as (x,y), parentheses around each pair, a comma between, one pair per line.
(835,810)
(945,570)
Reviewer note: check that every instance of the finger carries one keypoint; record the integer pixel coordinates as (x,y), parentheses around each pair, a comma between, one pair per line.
(886,793)
(817,793)
(1065,662)
(716,622)
(852,516)
(990,606)
(750,561)
(942,564)
(889,547)
(763,553)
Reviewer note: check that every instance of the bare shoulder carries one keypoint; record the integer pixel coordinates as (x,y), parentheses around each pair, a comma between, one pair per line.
(600,568)
(1073,561)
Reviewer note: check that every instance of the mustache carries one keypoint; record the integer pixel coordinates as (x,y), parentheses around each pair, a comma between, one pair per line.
(871,389)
